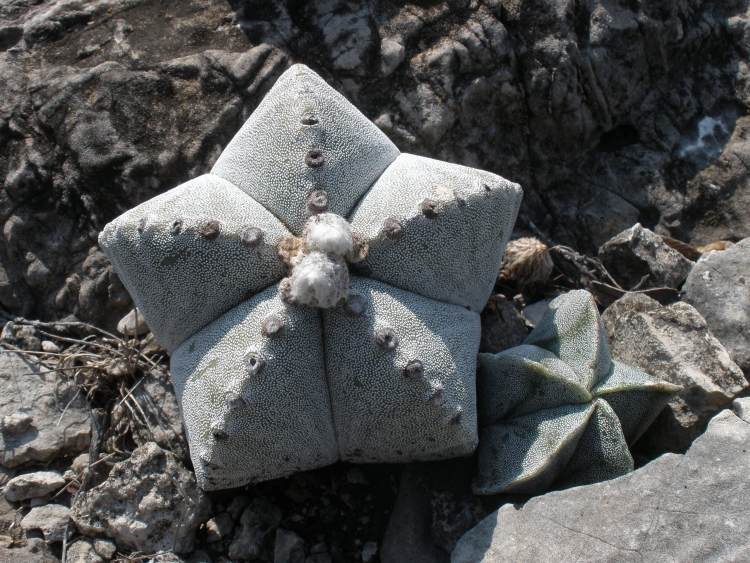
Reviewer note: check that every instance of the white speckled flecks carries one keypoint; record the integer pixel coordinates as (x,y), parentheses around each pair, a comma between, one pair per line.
(380,414)
(572,330)
(525,454)
(523,380)
(452,257)
(181,281)
(281,421)
(267,157)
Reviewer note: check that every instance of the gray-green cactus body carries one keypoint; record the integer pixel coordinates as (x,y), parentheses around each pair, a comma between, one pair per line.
(281,360)
(557,410)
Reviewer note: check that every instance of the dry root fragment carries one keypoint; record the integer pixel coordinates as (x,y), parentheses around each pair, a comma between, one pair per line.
(527,261)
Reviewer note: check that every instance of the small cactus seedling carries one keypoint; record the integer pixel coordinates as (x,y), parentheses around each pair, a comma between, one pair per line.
(557,410)
(318,291)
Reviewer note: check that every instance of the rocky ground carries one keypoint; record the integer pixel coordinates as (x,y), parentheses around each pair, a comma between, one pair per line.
(607,113)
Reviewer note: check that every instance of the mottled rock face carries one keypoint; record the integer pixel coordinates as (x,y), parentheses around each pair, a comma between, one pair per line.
(719,288)
(557,409)
(366,350)
(675,343)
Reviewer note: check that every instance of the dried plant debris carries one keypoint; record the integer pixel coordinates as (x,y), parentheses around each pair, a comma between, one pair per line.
(526,261)
(557,411)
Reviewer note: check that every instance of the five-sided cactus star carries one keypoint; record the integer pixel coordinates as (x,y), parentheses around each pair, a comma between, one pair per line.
(557,410)
(318,291)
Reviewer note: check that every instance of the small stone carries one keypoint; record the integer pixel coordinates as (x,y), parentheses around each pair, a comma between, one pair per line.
(238,506)
(133,324)
(289,547)
(51,519)
(257,526)
(32,485)
(50,347)
(80,463)
(369,550)
(319,548)
(535,312)
(354,476)
(318,558)
(83,551)
(639,258)
(218,527)
(105,548)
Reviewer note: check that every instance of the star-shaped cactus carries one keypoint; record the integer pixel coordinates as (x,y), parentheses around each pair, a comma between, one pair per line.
(318,291)
(557,410)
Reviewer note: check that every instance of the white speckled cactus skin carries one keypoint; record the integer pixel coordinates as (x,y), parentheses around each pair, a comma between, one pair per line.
(557,410)
(280,370)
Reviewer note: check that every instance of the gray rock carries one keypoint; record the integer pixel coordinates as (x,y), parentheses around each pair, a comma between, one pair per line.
(83,551)
(452,515)
(43,415)
(133,324)
(719,288)
(318,558)
(741,408)
(535,311)
(161,421)
(638,257)
(408,538)
(502,326)
(676,508)
(36,550)
(673,343)
(105,548)
(218,527)
(288,548)
(149,502)
(258,523)
(369,551)
(32,485)
(51,519)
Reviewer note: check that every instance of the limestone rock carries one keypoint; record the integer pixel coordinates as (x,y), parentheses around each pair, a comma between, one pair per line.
(83,551)
(36,550)
(218,527)
(741,408)
(32,485)
(105,548)
(149,502)
(133,324)
(675,344)
(51,519)
(42,414)
(638,257)
(719,288)
(676,508)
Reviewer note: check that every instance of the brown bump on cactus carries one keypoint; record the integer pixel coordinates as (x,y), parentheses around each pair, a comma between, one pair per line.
(392,228)
(272,327)
(314,158)
(429,208)
(386,339)
(234,401)
(414,370)
(251,237)
(290,249)
(456,418)
(175,227)
(253,363)
(142,225)
(219,434)
(211,230)
(317,202)
(309,119)
(359,250)
(437,398)
(285,290)
(354,305)
(460,198)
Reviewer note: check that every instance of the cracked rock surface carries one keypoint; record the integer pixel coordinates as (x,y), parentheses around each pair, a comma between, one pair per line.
(148,503)
(679,508)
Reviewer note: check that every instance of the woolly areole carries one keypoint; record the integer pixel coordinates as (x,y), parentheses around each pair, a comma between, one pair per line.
(318,291)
